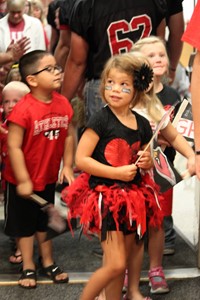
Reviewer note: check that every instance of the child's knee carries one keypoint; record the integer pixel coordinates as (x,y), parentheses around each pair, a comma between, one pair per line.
(118,268)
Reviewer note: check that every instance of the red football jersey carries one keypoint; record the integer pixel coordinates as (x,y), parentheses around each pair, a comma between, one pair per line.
(192,33)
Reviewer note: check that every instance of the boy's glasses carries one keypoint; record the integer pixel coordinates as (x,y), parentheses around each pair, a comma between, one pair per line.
(50,69)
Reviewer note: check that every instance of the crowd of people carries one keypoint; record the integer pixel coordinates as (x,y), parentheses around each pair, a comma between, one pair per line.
(83,85)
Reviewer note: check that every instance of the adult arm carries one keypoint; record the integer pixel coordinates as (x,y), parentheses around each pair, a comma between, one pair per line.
(160,31)
(54,39)
(195,95)
(174,43)
(75,66)
(63,47)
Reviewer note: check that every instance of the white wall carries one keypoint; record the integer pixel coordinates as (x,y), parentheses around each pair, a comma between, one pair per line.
(188,7)
(186,200)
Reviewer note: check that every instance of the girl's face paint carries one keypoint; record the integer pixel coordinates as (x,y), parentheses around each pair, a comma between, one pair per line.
(124,90)
(108,87)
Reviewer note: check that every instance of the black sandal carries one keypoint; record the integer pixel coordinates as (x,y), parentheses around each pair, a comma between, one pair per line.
(52,271)
(28,274)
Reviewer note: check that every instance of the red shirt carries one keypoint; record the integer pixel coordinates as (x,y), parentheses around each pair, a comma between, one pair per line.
(46,126)
(192,32)
(4,150)
(16,30)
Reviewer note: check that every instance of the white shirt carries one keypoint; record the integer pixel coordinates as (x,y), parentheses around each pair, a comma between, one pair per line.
(32,29)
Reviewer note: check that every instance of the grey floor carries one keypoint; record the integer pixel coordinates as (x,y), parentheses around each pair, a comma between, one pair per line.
(76,257)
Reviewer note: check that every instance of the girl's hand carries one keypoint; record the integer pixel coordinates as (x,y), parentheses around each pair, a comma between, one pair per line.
(146,161)
(66,173)
(25,189)
(126,173)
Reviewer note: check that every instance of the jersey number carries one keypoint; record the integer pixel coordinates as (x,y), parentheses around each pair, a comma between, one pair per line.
(118,46)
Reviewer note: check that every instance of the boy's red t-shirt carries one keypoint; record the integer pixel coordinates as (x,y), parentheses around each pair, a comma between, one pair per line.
(45,130)
(192,32)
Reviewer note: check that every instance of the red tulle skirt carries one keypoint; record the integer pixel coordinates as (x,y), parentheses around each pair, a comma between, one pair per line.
(128,204)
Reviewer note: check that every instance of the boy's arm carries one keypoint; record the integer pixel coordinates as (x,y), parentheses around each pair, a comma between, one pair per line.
(68,156)
(17,160)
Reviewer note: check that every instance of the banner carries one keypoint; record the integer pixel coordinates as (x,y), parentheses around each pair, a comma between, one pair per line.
(185,125)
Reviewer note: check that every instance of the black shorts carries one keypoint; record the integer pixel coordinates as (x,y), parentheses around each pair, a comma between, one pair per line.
(23,217)
(108,224)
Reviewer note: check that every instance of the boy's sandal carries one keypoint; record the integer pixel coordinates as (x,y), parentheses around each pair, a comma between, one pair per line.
(15,259)
(52,272)
(28,274)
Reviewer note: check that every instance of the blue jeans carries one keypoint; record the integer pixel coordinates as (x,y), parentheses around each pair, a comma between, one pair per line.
(170,233)
(93,100)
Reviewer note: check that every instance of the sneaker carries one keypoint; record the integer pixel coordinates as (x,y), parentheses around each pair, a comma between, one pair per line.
(125,286)
(168,251)
(157,281)
(125,297)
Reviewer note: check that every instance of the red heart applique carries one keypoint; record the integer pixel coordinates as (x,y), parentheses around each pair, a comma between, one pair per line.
(119,153)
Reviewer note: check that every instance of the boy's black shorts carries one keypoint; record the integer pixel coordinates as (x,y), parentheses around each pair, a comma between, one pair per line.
(23,217)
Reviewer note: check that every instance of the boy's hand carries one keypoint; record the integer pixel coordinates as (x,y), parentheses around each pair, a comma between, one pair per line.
(145,161)
(66,173)
(25,189)
(126,173)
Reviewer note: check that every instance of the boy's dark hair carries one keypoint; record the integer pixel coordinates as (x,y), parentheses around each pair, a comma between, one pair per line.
(28,63)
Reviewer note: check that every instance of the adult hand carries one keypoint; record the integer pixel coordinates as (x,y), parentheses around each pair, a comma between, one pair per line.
(18,48)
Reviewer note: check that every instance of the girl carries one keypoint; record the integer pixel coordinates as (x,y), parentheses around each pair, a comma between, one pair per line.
(114,205)
(37,10)
(153,110)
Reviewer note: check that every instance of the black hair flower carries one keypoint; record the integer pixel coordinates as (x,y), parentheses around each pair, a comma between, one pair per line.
(143,77)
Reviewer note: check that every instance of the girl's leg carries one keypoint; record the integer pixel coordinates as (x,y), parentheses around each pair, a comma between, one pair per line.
(26,247)
(113,267)
(156,238)
(46,252)
(115,287)
(155,249)
(134,270)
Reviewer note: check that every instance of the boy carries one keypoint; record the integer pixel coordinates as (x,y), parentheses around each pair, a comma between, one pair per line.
(40,135)
(11,94)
